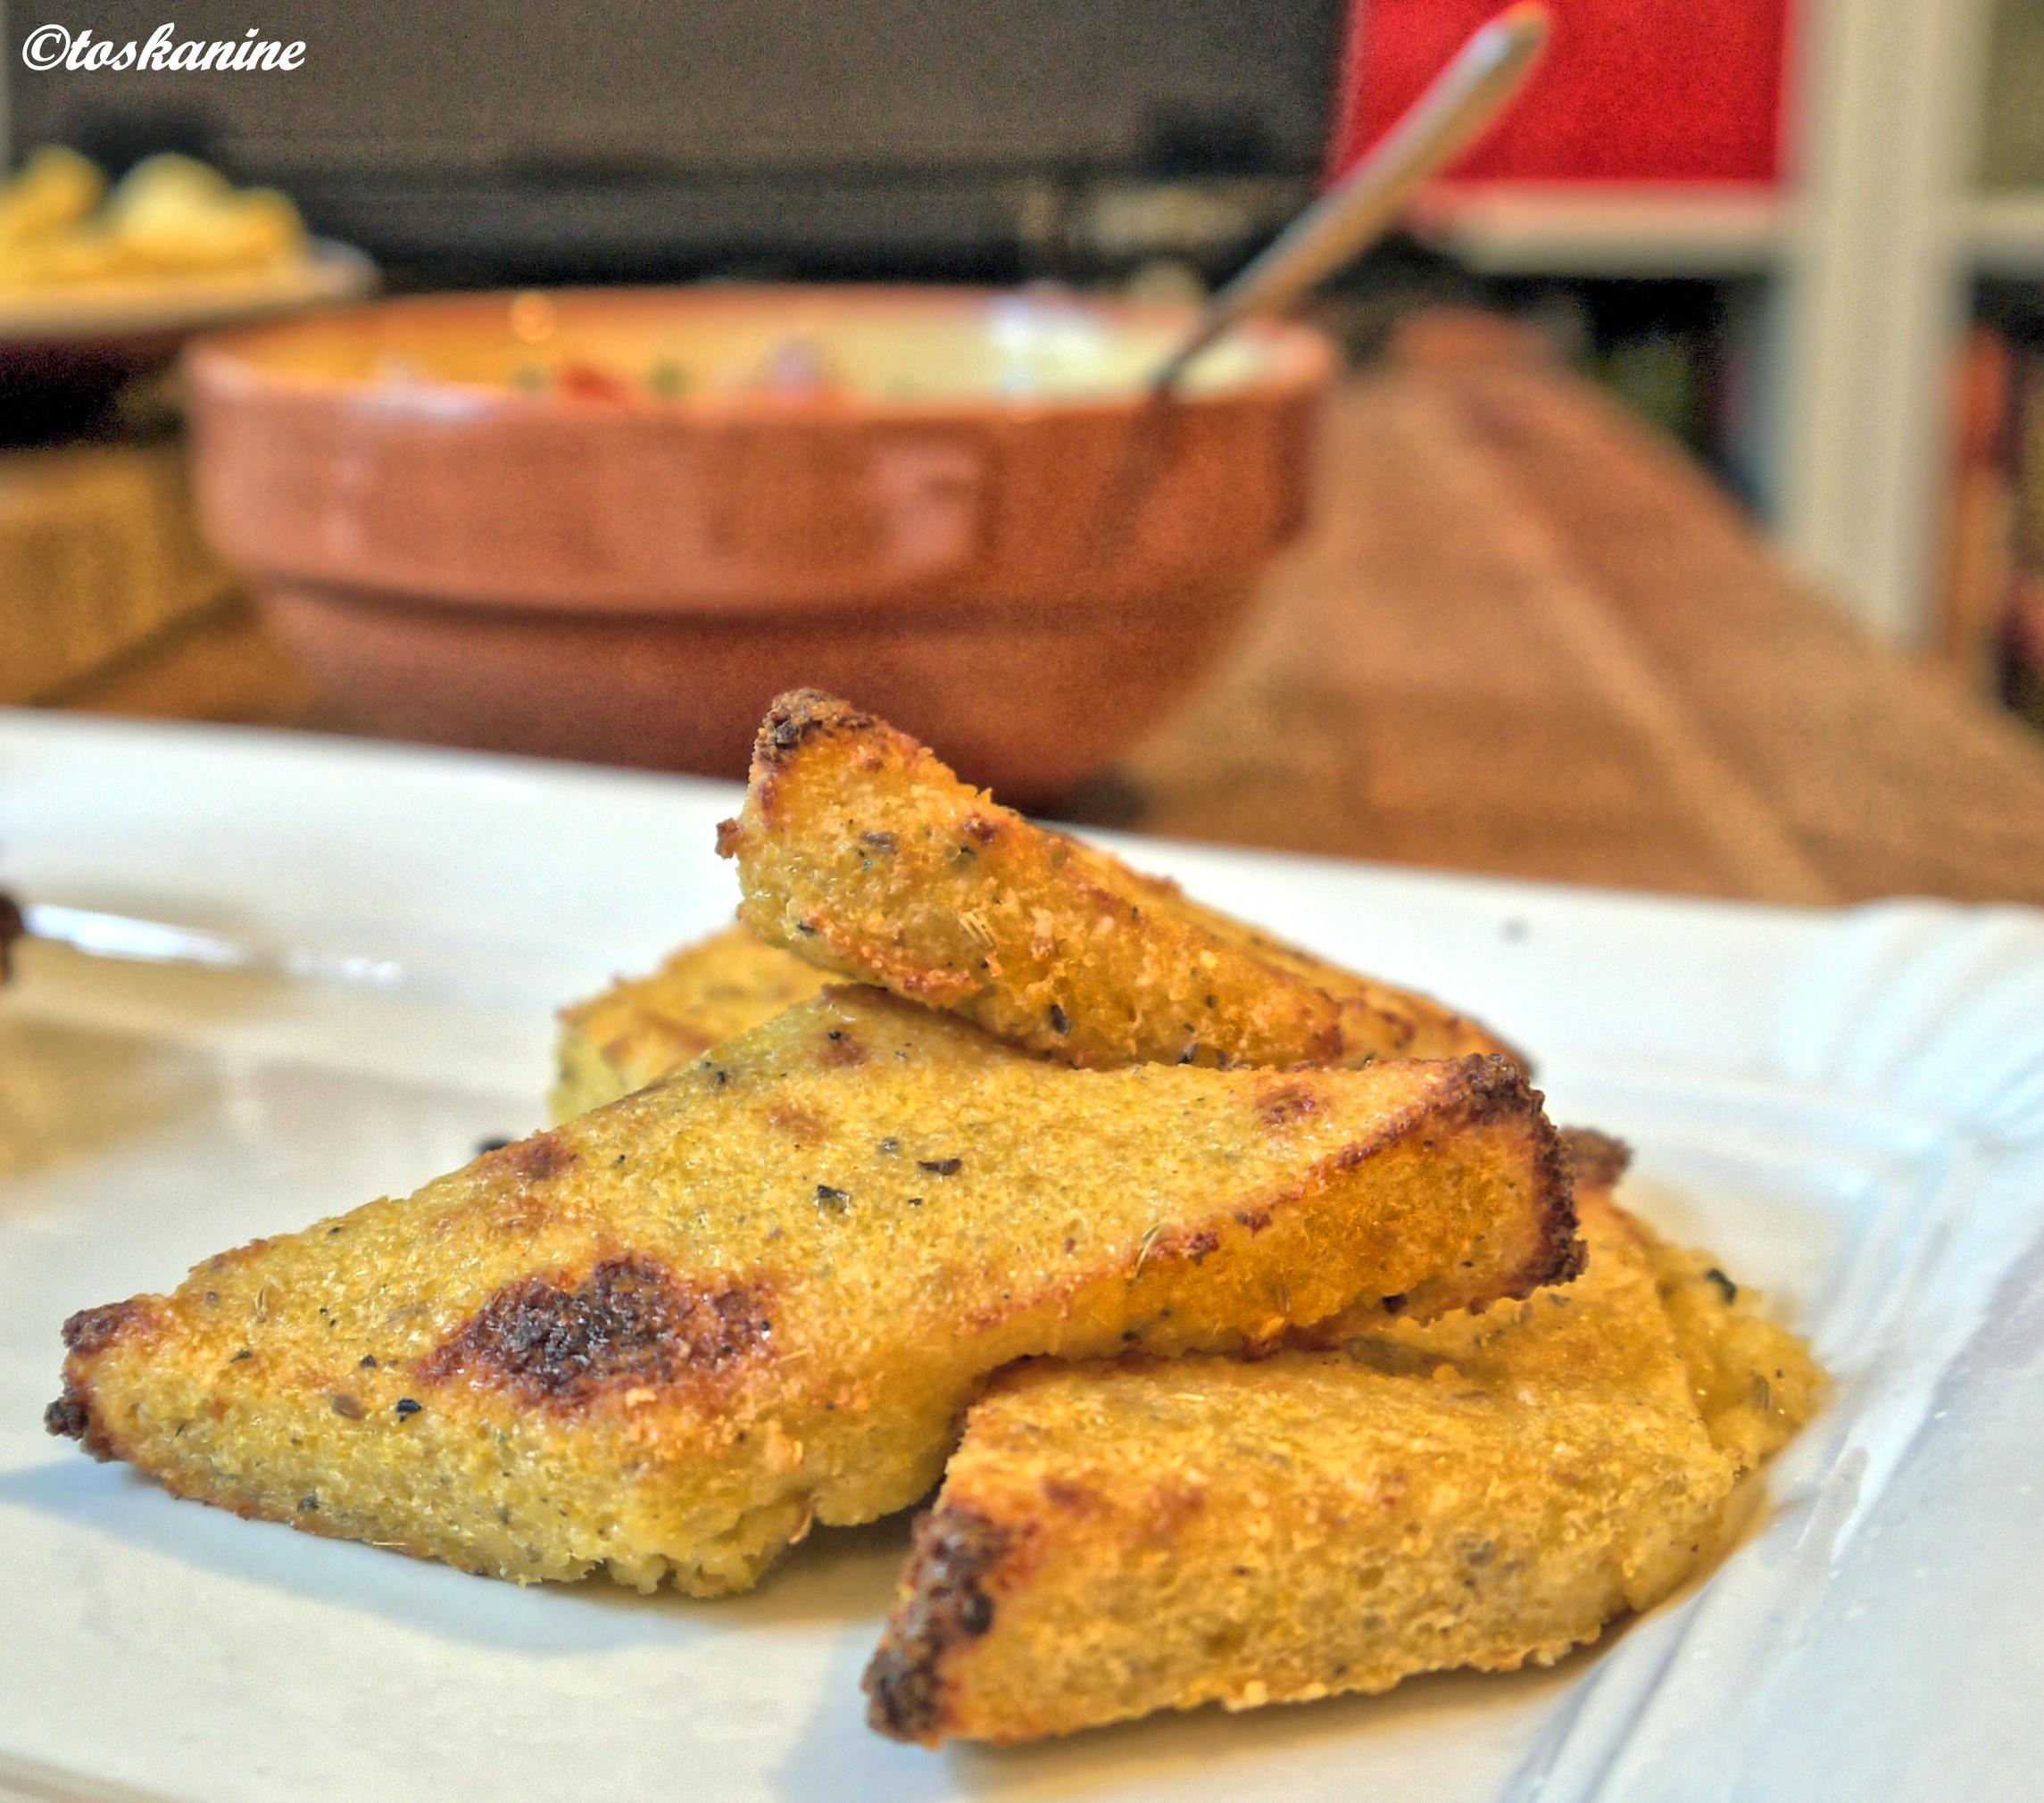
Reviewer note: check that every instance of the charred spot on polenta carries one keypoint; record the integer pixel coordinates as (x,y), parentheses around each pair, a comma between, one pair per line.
(536,1160)
(92,1330)
(630,1322)
(797,714)
(1285,1103)
(1597,1160)
(957,1551)
(69,1417)
(86,1335)
(1493,1086)
(794,717)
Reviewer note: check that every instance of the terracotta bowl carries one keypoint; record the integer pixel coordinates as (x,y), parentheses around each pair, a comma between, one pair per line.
(610,525)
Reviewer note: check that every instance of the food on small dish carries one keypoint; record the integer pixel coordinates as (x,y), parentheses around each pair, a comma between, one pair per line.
(1488,1491)
(171,214)
(55,190)
(664,1338)
(642,1028)
(168,219)
(1268,1384)
(859,851)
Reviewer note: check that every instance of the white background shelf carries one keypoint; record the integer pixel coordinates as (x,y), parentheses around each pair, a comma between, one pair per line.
(1694,229)
(1607,229)
(2005,234)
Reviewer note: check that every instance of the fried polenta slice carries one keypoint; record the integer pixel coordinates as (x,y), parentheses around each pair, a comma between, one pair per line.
(664,1337)
(1487,1492)
(639,1030)
(858,849)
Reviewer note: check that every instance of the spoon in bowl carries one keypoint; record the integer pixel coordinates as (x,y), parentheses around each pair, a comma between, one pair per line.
(1486,73)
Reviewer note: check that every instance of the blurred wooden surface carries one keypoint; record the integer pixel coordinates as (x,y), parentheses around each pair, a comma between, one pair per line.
(1525,638)
(99,554)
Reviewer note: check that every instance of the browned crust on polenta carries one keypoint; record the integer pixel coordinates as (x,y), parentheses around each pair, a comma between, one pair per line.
(1495,1087)
(1564,1256)
(86,1335)
(1597,1159)
(794,718)
(71,1417)
(798,717)
(946,1601)
(559,1341)
(1482,1089)
(94,1330)
(801,714)
(538,1158)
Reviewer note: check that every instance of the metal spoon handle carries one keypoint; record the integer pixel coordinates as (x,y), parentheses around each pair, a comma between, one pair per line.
(1464,98)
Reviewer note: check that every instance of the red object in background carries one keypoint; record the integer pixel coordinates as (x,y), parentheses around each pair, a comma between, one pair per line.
(1629,90)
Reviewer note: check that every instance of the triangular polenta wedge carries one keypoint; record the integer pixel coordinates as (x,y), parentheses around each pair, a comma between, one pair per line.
(1121,1538)
(665,1336)
(859,851)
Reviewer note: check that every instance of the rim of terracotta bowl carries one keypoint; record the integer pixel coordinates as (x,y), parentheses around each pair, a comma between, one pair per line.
(1298,359)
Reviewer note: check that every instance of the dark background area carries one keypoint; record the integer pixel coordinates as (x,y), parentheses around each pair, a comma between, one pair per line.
(468,143)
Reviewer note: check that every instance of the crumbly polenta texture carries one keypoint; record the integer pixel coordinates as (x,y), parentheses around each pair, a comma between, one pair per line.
(1477,1491)
(641,1029)
(664,1337)
(1754,1381)
(861,852)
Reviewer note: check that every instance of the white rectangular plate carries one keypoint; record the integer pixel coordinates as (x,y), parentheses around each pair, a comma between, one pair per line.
(1849,1107)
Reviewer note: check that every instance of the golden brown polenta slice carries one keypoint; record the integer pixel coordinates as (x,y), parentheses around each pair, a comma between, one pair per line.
(1122,1538)
(665,1336)
(641,1029)
(858,849)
